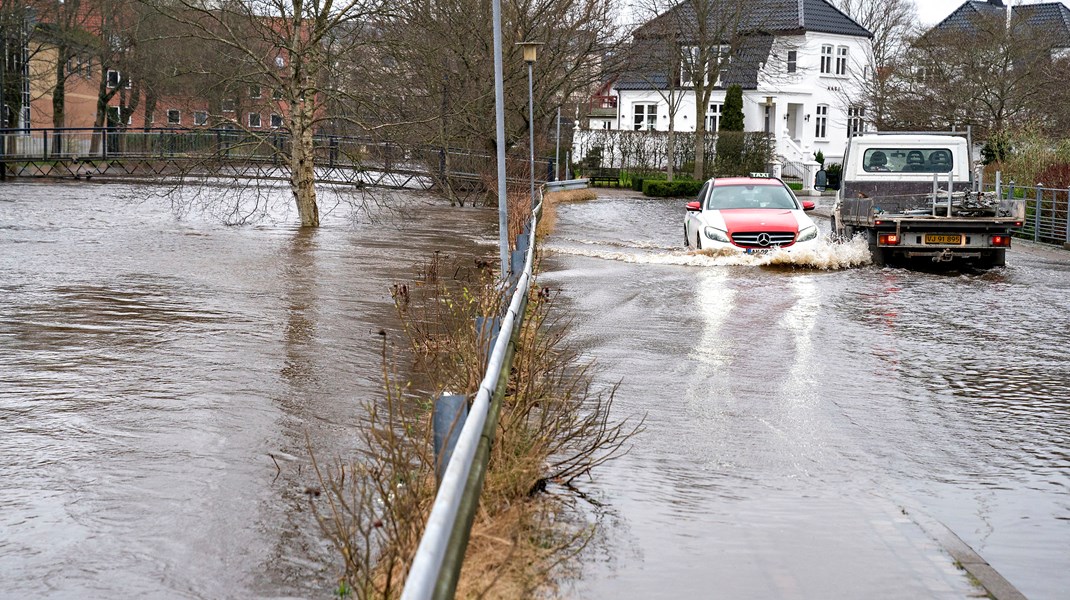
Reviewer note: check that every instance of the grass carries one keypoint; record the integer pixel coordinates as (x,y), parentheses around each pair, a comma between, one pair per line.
(548,222)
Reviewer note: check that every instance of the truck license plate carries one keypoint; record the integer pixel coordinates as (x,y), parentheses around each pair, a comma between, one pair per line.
(939,238)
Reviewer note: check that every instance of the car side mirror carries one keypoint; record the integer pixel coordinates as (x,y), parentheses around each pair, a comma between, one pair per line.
(809,205)
(694,206)
(821,180)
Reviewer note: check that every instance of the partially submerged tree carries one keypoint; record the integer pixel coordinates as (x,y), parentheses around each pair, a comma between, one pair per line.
(303,52)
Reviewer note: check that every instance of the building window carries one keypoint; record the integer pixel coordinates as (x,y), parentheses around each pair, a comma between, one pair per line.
(174,117)
(228,106)
(713,117)
(719,58)
(822,121)
(646,117)
(200,117)
(826,59)
(841,60)
(254,120)
(255,91)
(113,78)
(276,121)
(856,120)
(793,61)
(276,94)
(280,62)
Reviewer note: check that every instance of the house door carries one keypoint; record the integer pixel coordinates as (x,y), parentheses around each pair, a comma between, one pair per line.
(794,121)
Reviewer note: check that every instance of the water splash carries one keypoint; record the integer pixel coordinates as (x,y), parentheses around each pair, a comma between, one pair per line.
(827,255)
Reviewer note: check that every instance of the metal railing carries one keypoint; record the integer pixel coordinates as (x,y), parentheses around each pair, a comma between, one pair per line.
(204,145)
(437,564)
(1047,211)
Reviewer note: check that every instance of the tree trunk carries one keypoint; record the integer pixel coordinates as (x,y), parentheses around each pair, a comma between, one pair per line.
(59,99)
(672,139)
(302,166)
(700,132)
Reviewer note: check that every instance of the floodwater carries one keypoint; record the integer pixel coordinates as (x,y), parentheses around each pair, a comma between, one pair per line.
(153,360)
(802,419)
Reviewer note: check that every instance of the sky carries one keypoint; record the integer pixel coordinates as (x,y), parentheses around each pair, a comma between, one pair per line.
(931,12)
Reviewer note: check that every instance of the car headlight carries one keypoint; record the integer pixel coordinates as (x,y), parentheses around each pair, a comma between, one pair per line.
(717,235)
(810,233)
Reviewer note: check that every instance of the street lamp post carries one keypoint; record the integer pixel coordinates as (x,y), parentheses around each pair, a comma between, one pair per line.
(531,52)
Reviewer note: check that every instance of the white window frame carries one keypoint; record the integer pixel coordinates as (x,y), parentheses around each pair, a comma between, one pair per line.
(689,57)
(178,116)
(645,116)
(841,61)
(255,91)
(856,120)
(821,121)
(793,61)
(714,112)
(276,118)
(250,120)
(118,78)
(200,118)
(826,59)
(227,105)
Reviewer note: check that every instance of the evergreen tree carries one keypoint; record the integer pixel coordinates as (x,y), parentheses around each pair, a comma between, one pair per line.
(732,115)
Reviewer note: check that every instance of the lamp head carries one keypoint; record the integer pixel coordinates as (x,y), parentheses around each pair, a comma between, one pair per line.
(531,50)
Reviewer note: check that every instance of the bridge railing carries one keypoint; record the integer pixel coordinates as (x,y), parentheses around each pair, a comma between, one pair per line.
(1047,210)
(234,145)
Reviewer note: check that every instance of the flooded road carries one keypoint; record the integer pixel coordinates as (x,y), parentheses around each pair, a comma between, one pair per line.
(152,361)
(796,414)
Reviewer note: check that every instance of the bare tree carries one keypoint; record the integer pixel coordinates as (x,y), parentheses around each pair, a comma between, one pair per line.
(305,52)
(991,75)
(893,24)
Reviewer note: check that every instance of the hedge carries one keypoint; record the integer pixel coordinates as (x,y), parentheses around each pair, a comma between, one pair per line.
(679,187)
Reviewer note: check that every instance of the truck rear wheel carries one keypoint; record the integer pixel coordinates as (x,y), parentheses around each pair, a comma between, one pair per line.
(877,254)
(998,258)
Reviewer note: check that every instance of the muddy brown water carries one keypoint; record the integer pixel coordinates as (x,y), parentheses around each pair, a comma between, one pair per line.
(791,402)
(152,359)
(150,362)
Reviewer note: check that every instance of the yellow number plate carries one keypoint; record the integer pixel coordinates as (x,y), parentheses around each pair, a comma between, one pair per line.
(935,238)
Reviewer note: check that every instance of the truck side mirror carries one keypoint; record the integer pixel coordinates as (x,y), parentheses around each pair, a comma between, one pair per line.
(821,180)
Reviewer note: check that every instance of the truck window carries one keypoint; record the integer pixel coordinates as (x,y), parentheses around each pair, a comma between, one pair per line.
(907,160)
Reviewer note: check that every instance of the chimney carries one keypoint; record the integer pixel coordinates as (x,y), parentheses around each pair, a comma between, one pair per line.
(1009,2)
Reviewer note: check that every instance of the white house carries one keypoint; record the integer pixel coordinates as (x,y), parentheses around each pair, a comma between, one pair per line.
(801,64)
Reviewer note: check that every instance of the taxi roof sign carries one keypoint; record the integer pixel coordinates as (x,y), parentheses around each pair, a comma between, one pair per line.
(760,175)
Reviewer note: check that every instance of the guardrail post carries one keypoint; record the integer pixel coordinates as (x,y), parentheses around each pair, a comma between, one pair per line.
(1067,231)
(487,329)
(44,149)
(448,418)
(1036,214)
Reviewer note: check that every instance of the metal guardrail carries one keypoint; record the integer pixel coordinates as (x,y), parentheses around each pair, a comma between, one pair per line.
(1047,211)
(437,564)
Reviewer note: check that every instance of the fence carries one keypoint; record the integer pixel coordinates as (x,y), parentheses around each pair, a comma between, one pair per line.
(1047,211)
(40,152)
(437,564)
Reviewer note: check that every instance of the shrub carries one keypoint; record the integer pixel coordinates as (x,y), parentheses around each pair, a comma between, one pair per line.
(1056,176)
(667,189)
(834,172)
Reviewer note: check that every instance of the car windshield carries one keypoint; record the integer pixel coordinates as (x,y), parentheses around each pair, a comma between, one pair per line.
(725,197)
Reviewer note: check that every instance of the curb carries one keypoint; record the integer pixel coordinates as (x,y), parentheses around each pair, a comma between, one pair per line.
(996,585)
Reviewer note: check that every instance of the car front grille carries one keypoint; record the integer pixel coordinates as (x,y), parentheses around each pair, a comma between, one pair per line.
(764,239)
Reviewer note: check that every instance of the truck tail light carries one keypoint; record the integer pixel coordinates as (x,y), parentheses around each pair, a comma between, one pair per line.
(889,239)
(1001,240)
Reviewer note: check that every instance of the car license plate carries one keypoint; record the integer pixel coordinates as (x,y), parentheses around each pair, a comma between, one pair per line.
(757,250)
(939,238)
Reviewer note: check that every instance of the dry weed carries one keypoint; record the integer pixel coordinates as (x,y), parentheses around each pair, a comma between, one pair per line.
(553,428)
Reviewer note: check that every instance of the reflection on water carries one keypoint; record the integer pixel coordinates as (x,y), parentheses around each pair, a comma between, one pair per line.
(785,403)
(150,364)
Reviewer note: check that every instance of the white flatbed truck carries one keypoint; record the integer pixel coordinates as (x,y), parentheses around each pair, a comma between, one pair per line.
(914,197)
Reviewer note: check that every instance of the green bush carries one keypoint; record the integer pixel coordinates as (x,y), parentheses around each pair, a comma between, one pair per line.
(676,188)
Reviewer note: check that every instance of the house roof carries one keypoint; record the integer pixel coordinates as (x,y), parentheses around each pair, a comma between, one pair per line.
(770,16)
(1053,15)
(759,22)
